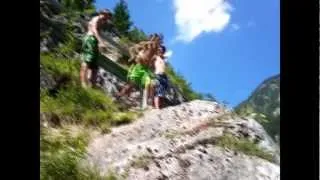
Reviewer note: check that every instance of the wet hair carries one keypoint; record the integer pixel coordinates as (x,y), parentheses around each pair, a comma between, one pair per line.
(151,36)
(163,48)
(105,12)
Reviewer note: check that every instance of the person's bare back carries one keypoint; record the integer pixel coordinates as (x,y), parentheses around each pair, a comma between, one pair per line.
(95,23)
(92,25)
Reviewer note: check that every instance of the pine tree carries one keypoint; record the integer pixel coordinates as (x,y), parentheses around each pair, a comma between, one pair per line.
(121,18)
(209,97)
(77,5)
(137,35)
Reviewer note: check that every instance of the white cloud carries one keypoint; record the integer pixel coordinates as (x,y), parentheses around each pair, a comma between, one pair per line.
(168,53)
(194,17)
(235,27)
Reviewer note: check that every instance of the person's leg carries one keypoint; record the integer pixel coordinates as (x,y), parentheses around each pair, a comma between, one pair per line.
(133,77)
(147,93)
(160,90)
(157,102)
(89,48)
(83,74)
(165,89)
(151,91)
(94,75)
(144,98)
(125,90)
(148,85)
(89,76)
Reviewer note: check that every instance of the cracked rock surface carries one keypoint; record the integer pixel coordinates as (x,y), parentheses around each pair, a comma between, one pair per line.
(180,142)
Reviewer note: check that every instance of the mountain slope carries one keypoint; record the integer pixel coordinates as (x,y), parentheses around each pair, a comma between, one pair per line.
(189,141)
(85,126)
(264,104)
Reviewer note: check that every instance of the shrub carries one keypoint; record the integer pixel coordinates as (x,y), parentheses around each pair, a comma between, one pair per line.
(245,146)
(136,35)
(125,41)
(72,102)
(60,152)
(185,87)
(61,67)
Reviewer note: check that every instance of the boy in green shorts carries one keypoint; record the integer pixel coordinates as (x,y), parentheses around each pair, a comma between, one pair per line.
(90,48)
(140,75)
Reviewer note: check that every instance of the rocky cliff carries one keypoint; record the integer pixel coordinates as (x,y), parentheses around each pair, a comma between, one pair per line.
(189,141)
(112,74)
(265,100)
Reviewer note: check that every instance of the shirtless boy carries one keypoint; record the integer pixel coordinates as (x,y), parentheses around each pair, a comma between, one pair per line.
(162,84)
(90,48)
(140,75)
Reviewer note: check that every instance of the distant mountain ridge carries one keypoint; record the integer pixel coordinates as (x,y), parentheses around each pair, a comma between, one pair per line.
(264,104)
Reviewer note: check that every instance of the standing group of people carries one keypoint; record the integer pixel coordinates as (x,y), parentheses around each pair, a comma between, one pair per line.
(147,71)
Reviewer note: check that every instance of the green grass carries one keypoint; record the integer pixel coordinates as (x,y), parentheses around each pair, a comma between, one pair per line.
(61,67)
(171,134)
(73,104)
(61,150)
(141,162)
(245,146)
(92,174)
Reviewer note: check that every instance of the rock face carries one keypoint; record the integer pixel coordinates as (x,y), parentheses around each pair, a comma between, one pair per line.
(265,99)
(51,30)
(181,143)
(46,80)
(111,84)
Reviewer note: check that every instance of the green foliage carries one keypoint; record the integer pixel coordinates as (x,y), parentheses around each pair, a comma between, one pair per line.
(125,41)
(61,151)
(178,80)
(136,35)
(92,174)
(208,97)
(80,105)
(245,146)
(90,10)
(70,45)
(263,102)
(72,102)
(77,5)
(141,162)
(61,67)
(270,124)
(121,18)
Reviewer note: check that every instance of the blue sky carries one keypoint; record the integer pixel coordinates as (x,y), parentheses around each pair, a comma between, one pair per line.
(226,48)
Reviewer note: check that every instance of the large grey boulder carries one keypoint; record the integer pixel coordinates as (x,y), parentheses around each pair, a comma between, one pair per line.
(180,143)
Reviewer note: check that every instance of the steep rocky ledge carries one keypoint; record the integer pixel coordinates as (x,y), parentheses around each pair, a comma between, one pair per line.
(183,142)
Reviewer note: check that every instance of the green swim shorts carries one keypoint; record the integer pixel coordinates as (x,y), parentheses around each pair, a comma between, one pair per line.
(140,75)
(90,50)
